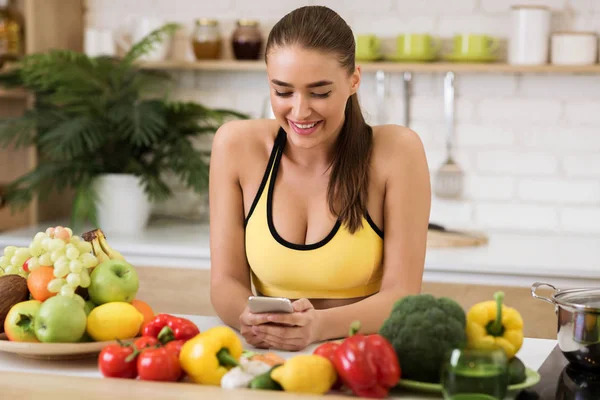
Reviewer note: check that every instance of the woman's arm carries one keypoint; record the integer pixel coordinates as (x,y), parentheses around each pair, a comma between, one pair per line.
(406,212)
(229,278)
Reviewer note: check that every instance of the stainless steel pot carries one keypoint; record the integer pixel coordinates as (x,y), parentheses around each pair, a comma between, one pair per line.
(578,333)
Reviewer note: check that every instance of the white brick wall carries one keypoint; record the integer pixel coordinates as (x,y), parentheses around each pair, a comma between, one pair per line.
(529,144)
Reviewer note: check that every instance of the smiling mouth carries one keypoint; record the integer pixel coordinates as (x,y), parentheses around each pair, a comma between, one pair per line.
(305,126)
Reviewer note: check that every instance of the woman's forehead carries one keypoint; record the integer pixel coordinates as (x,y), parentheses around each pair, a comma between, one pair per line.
(300,66)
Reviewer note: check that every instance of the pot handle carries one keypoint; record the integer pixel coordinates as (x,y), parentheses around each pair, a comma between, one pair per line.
(536,285)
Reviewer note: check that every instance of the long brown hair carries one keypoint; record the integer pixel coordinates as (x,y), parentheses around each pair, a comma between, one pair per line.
(322,29)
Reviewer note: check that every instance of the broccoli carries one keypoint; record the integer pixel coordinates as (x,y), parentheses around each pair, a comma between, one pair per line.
(423,330)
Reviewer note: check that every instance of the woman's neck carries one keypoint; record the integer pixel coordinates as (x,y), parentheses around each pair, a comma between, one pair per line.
(314,159)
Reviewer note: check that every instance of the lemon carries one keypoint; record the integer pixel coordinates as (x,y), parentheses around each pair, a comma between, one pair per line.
(116,320)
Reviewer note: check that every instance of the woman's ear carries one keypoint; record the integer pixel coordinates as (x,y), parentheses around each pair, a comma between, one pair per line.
(355,80)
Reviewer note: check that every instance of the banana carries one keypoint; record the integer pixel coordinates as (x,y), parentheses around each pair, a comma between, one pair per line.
(98,252)
(100,246)
(112,253)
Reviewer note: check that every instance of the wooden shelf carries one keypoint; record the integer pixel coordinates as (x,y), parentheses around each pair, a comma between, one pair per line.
(13,94)
(234,65)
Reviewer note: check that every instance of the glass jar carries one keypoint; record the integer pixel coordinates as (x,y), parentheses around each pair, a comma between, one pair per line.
(207,39)
(11,33)
(247,40)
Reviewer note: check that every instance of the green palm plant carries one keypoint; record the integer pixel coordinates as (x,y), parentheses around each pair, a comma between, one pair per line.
(98,115)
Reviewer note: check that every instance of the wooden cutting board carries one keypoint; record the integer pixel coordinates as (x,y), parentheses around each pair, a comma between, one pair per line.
(439,237)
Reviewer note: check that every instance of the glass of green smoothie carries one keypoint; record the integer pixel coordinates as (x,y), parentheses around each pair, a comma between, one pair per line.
(470,374)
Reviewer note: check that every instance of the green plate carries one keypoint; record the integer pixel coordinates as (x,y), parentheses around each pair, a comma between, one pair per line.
(532,378)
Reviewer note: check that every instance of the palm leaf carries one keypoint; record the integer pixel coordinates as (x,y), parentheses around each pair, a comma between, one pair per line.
(18,131)
(72,138)
(147,44)
(85,204)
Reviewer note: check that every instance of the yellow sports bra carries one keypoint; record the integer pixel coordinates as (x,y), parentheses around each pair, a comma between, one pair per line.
(342,265)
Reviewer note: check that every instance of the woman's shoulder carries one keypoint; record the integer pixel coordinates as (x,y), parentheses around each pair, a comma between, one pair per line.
(245,137)
(391,140)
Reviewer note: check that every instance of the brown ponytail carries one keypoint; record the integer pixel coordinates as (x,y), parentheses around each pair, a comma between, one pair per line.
(320,28)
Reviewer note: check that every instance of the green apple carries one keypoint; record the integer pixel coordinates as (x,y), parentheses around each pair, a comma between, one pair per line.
(20,321)
(113,280)
(60,320)
(88,307)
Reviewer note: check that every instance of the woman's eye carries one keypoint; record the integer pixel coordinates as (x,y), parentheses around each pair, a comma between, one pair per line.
(283,94)
(321,95)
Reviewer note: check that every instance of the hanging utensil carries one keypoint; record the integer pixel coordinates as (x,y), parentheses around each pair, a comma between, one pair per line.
(380,91)
(407,80)
(449,177)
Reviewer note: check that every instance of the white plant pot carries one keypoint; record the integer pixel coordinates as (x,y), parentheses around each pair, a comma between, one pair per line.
(123,207)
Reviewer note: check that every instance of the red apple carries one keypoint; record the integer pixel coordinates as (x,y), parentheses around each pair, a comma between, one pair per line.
(19,323)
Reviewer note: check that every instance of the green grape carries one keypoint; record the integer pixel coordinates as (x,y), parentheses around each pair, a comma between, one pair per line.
(84,247)
(62,263)
(55,284)
(67,291)
(75,266)
(9,251)
(23,253)
(33,264)
(61,271)
(35,248)
(88,260)
(39,237)
(57,244)
(69,230)
(16,261)
(11,270)
(46,243)
(75,240)
(56,254)
(72,253)
(4,262)
(73,280)
(84,277)
(45,260)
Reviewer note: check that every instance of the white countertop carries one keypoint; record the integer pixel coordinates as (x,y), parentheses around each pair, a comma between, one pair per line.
(532,353)
(508,259)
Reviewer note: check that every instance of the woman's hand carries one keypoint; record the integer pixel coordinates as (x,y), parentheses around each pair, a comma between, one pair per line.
(291,332)
(247,319)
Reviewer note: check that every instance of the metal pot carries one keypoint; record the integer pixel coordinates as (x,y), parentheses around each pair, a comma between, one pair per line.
(578,333)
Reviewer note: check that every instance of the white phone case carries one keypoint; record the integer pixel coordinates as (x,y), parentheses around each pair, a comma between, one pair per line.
(264,304)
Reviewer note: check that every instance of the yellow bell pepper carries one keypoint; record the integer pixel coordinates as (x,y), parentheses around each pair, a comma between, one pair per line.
(491,325)
(305,373)
(209,355)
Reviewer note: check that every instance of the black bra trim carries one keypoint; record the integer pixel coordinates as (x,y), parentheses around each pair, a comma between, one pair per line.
(378,231)
(276,236)
(263,183)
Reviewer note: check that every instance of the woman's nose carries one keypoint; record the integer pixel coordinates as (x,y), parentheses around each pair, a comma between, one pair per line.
(301,108)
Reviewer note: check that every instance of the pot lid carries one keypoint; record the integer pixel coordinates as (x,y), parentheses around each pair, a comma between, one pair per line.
(579,298)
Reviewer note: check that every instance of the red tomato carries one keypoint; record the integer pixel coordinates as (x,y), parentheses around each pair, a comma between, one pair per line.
(158,365)
(145,342)
(113,362)
(175,346)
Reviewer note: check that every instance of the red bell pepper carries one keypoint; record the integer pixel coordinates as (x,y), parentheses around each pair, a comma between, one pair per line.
(328,350)
(167,327)
(367,364)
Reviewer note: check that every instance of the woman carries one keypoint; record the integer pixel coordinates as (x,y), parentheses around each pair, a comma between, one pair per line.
(299,204)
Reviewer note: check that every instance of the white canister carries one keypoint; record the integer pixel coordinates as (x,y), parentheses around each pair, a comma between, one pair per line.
(530,35)
(574,48)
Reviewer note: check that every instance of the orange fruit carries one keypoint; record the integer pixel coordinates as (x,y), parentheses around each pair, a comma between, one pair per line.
(146,311)
(37,283)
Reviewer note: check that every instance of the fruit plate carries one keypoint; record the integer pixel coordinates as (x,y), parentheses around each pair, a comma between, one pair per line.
(532,378)
(54,351)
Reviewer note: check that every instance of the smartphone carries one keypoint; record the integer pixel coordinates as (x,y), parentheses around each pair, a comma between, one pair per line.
(264,304)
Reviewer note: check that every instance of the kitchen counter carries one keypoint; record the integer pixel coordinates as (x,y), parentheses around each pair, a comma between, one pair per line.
(23,378)
(517,259)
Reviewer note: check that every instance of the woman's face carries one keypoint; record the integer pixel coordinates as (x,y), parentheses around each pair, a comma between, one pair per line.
(309,91)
